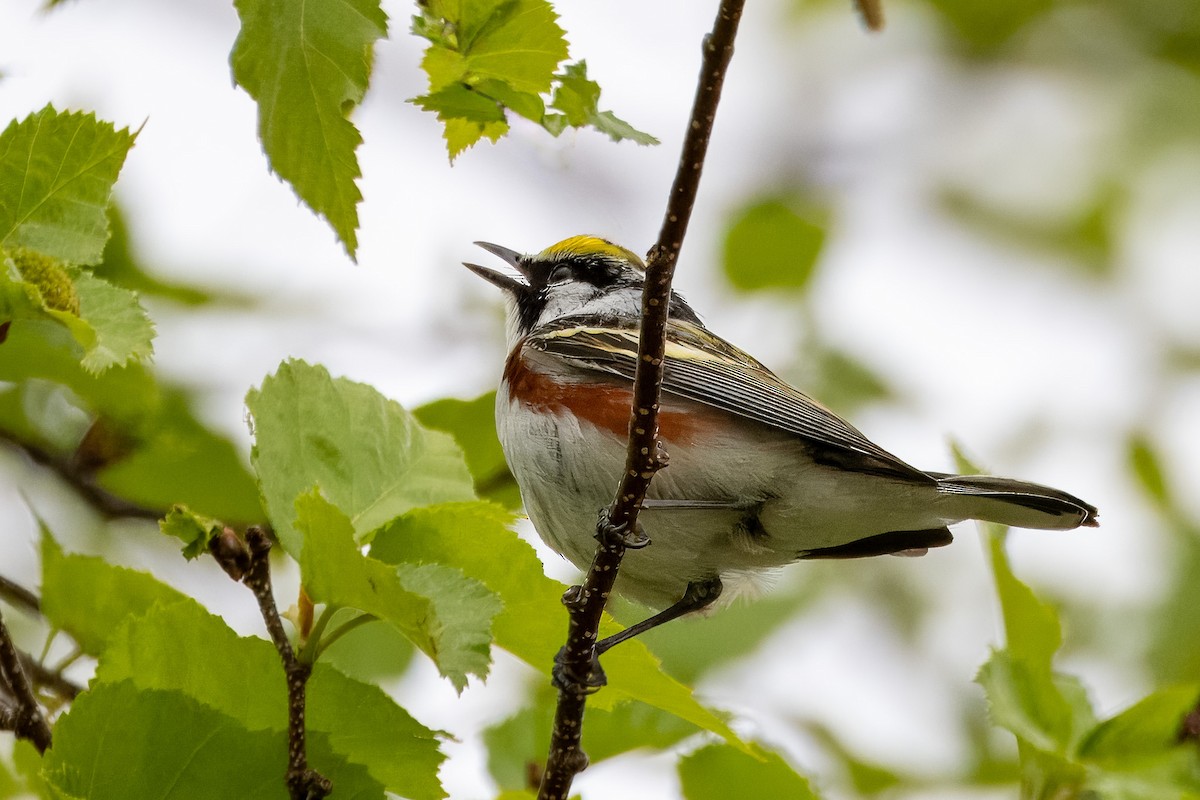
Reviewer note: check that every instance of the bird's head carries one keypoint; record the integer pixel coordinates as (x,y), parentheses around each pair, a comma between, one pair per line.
(583,276)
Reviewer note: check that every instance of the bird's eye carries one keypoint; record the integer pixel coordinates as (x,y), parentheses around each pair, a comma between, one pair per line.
(560,273)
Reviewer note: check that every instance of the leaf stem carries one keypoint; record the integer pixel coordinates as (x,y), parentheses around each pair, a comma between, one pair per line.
(343,629)
(586,603)
(310,651)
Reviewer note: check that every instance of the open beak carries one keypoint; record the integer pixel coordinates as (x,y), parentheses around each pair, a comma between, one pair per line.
(505,282)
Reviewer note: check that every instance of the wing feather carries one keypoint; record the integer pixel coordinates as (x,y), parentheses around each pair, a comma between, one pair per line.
(702,367)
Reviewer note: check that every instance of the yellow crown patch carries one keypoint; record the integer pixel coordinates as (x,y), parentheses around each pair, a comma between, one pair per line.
(590,246)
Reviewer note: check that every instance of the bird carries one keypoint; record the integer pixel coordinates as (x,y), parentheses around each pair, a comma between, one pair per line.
(759,475)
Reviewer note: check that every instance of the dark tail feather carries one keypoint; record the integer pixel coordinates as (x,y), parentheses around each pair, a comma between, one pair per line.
(1016,503)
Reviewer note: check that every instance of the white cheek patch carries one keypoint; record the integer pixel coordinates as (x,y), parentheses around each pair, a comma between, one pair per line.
(571,299)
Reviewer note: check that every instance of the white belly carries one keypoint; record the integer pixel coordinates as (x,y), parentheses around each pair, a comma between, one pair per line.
(568,471)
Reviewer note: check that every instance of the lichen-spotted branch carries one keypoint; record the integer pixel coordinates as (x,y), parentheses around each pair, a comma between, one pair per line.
(585,603)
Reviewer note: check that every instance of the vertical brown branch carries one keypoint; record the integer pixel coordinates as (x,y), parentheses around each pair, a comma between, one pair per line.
(303,783)
(871,12)
(25,718)
(586,603)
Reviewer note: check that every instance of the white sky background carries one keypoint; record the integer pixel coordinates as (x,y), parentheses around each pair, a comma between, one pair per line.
(1030,369)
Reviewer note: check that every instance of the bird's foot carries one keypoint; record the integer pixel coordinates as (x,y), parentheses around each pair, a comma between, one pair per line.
(608,532)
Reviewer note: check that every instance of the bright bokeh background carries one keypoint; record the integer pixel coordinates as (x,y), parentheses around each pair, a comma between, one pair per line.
(1011,199)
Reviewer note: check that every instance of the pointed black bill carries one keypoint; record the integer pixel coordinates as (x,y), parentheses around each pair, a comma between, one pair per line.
(510,257)
(505,282)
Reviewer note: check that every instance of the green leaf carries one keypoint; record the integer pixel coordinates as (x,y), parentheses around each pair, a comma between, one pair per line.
(1148,729)
(841,380)
(33,300)
(521,739)
(368,455)
(120,741)
(446,614)
(176,459)
(501,51)
(472,423)
(578,97)
(458,101)
(194,530)
(517,42)
(307,65)
(120,267)
(182,648)
(107,324)
(527,104)
(1025,700)
(868,777)
(475,538)
(39,349)
(685,647)
(123,331)
(985,27)
(1032,630)
(89,598)
(56,175)
(771,246)
(461,134)
(1147,468)
(718,772)
(370,653)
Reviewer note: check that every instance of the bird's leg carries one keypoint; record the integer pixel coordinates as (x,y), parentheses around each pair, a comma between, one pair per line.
(698,595)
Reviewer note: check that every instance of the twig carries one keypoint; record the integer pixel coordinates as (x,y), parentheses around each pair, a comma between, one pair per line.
(586,603)
(1189,728)
(25,719)
(46,678)
(871,12)
(82,482)
(19,596)
(303,783)
(41,676)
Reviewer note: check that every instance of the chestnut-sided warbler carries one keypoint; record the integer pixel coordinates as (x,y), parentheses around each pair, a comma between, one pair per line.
(760,475)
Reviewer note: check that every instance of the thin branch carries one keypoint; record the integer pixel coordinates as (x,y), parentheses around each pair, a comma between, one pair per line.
(82,482)
(53,680)
(20,597)
(42,676)
(303,783)
(25,719)
(1189,728)
(577,673)
(871,12)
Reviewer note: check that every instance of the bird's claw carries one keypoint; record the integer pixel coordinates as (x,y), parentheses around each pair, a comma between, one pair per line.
(569,678)
(609,532)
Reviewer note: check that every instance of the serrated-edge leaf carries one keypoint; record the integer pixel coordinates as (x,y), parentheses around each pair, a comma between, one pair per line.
(57,171)
(123,331)
(112,594)
(307,65)
(475,538)
(120,741)
(445,613)
(1024,699)
(194,530)
(578,98)
(367,454)
(182,647)
(1147,729)
(523,50)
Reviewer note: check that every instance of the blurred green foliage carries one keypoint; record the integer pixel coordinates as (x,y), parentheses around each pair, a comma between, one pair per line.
(451,577)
